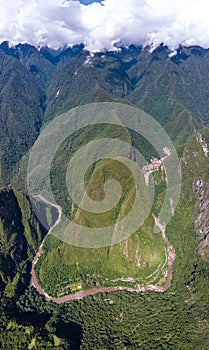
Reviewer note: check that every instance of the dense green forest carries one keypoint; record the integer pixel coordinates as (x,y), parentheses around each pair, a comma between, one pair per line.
(176,319)
(38,85)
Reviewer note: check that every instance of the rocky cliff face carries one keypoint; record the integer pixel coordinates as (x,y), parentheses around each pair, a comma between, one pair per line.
(196,162)
(201,213)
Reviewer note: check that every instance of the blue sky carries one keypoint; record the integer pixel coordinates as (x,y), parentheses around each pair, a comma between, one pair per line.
(88,2)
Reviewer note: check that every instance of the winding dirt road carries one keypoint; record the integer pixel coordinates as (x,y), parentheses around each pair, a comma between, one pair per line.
(84,293)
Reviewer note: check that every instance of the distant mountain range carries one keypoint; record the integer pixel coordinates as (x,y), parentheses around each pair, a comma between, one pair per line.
(37,85)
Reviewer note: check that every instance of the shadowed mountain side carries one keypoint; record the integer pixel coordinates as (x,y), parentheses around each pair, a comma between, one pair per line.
(21,113)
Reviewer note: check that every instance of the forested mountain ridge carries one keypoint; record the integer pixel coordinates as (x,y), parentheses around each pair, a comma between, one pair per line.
(36,85)
(21,113)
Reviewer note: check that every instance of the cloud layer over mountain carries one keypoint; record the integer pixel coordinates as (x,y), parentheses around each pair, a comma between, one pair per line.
(59,22)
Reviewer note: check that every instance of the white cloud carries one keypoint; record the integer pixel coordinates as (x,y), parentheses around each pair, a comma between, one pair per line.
(60,22)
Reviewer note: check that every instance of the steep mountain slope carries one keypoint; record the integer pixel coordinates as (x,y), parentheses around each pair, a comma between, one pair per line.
(21,113)
(174,90)
(33,60)
(20,235)
(62,55)
(86,79)
(196,163)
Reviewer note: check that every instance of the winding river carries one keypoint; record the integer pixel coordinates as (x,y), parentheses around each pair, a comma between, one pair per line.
(84,293)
